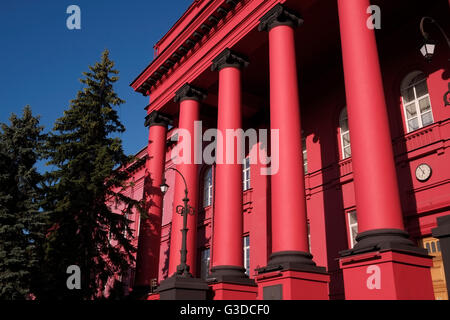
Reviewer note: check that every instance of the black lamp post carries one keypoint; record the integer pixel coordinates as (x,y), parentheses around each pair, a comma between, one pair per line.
(429,46)
(184,210)
(182,285)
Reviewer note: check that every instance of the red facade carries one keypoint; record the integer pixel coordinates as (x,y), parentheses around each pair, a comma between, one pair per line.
(359,169)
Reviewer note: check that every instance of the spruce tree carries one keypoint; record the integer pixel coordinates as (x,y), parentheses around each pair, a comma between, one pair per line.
(21,220)
(87,155)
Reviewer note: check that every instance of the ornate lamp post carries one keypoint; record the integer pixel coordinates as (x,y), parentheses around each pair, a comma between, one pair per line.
(184,211)
(182,285)
(429,46)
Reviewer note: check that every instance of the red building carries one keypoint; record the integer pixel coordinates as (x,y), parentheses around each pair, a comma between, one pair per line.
(363,166)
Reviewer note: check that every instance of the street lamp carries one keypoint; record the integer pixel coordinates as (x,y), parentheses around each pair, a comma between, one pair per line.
(182,285)
(183,210)
(427,49)
(429,45)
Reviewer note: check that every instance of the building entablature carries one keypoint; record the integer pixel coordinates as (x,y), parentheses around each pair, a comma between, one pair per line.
(220,25)
(204,24)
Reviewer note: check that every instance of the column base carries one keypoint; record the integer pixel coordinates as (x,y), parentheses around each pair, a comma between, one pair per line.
(292,275)
(232,291)
(293,285)
(183,288)
(231,283)
(291,260)
(387,275)
(153,296)
(384,239)
(229,274)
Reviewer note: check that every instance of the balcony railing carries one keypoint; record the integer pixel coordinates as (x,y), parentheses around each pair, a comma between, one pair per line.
(432,134)
(429,138)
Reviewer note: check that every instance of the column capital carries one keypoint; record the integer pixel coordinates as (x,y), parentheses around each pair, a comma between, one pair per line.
(229,58)
(189,92)
(157,118)
(279,16)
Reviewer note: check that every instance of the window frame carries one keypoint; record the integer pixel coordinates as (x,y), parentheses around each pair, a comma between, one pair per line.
(246,167)
(308,228)
(352,240)
(342,133)
(205,273)
(246,253)
(207,195)
(412,83)
(305,155)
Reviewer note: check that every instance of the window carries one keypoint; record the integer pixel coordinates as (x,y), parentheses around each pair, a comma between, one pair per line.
(126,228)
(416,101)
(345,135)
(204,263)
(433,246)
(247,254)
(309,235)
(246,174)
(352,227)
(305,155)
(207,188)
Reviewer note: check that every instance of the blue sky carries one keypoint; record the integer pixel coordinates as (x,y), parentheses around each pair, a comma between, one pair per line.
(41,61)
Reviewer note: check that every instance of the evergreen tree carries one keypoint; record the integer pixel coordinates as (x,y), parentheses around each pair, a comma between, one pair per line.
(85,154)
(21,221)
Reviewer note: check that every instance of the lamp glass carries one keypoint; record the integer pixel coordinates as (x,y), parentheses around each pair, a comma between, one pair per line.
(164,187)
(430,48)
(427,49)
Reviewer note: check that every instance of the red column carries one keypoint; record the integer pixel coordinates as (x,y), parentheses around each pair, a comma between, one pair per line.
(147,262)
(377,195)
(228,220)
(290,268)
(289,222)
(189,98)
(376,188)
(384,264)
(289,230)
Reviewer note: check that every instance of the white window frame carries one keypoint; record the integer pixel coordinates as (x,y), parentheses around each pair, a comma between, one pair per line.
(308,226)
(126,215)
(343,133)
(350,227)
(207,189)
(246,250)
(246,184)
(205,272)
(408,84)
(305,155)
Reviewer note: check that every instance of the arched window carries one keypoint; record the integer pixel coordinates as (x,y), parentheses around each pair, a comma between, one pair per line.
(344,134)
(207,187)
(416,101)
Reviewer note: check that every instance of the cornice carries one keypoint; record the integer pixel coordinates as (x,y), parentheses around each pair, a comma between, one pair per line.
(279,16)
(226,35)
(156,118)
(228,58)
(189,92)
(204,26)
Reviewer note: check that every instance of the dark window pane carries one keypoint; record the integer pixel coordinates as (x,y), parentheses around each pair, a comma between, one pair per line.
(433,247)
